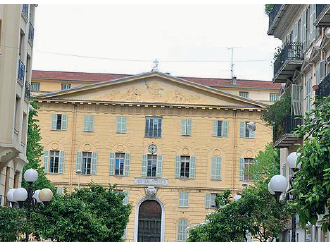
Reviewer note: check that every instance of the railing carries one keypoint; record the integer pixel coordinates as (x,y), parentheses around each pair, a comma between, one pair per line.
(27,91)
(21,71)
(31,34)
(291,51)
(324,87)
(289,124)
(274,13)
(25,11)
(319,9)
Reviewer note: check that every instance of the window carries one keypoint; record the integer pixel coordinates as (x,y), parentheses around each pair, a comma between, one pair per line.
(153,127)
(54,161)
(308,90)
(35,87)
(59,190)
(216,168)
(248,162)
(152,165)
(183,199)
(120,164)
(17,113)
(88,123)
(59,121)
(213,202)
(186,127)
(273,97)
(210,200)
(121,125)
(220,128)
(244,94)
(86,162)
(184,168)
(125,200)
(65,86)
(182,230)
(244,131)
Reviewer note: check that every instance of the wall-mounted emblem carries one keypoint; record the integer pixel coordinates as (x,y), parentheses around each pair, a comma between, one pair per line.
(152,148)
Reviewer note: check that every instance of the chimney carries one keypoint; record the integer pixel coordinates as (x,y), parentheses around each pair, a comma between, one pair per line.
(234,80)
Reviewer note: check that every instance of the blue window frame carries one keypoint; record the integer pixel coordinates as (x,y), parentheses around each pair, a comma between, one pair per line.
(153,127)
(120,163)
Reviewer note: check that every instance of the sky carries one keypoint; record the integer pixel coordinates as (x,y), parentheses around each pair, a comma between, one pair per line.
(186,39)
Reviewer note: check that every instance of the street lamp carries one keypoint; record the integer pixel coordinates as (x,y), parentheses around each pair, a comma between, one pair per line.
(278,185)
(78,172)
(27,198)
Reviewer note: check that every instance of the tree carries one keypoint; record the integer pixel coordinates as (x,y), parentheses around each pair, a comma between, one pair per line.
(312,185)
(268,8)
(34,151)
(93,214)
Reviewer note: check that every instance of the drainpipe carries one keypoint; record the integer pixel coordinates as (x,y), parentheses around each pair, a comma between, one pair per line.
(73,141)
(234,152)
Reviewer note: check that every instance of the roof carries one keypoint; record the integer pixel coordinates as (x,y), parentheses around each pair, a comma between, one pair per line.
(96,77)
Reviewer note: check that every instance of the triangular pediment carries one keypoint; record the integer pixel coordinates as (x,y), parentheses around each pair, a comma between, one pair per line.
(152,87)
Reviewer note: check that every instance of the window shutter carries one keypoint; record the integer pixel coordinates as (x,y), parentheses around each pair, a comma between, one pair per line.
(313,7)
(207,200)
(213,164)
(46,162)
(177,167)
(224,128)
(183,127)
(182,230)
(242,129)
(79,161)
(126,167)
(317,74)
(125,200)
(85,122)
(91,123)
(64,122)
(159,165)
(112,164)
(188,127)
(186,199)
(144,165)
(216,168)
(54,120)
(118,124)
(94,163)
(251,133)
(192,167)
(295,33)
(303,29)
(322,70)
(123,125)
(241,169)
(59,190)
(215,128)
(181,199)
(61,162)
(295,99)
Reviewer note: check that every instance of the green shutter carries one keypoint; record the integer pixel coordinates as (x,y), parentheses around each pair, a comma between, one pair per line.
(46,162)
(192,167)
(182,230)
(177,167)
(118,124)
(188,127)
(144,165)
(123,125)
(218,171)
(184,127)
(207,200)
(54,120)
(85,122)
(126,166)
(213,164)
(224,128)
(215,128)
(125,200)
(242,129)
(159,165)
(216,168)
(64,122)
(186,199)
(91,123)
(94,163)
(61,162)
(251,133)
(241,169)
(112,164)
(79,161)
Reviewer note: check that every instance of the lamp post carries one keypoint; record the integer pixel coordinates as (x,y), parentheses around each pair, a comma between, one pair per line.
(78,172)
(278,185)
(27,198)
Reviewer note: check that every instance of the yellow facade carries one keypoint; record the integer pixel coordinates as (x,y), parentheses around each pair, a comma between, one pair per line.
(158,95)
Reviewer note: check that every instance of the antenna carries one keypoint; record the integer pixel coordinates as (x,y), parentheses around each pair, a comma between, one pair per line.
(232,61)
(155,68)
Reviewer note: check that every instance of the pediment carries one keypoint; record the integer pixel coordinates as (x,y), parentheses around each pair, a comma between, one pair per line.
(151,88)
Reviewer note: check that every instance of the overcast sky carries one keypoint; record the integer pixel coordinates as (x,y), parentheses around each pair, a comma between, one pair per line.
(127,38)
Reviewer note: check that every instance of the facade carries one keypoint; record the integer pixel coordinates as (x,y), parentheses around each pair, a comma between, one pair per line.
(16,37)
(170,144)
(49,81)
(302,68)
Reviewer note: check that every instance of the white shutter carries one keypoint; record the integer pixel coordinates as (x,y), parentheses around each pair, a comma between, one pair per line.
(126,166)
(241,169)
(144,165)
(125,200)
(64,122)
(192,167)
(188,122)
(46,161)
(296,99)
(224,128)
(295,33)
(317,74)
(183,127)
(112,164)
(79,161)
(242,129)
(177,167)
(159,165)
(61,162)
(123,125)
(303,29)
(322,70)
(118,124)
(54,121)
(94,163)
(215,127)
(207,200)
(183,199)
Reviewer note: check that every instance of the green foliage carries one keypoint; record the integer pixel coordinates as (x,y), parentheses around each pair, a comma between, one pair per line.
(312,185)
(268,8)
(94,214)
(34,151)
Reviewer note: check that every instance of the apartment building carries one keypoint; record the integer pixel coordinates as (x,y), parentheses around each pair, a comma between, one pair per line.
(302,68)
(16,39)
(171,144)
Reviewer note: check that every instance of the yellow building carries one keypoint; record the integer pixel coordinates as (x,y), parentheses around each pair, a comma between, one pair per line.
(169,143)
(16,40)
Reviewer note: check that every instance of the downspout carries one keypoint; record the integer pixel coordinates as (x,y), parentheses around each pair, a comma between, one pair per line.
(73,149)
(235,150)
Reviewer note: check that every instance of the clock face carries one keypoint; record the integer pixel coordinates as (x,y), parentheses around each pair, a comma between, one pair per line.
(152,148)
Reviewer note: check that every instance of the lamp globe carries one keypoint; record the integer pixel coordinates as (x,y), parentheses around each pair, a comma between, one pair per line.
(36,196)
(270,189)
(31,175)
(292,160)
(20,195)
(45,195)
(278,183)
(10,195)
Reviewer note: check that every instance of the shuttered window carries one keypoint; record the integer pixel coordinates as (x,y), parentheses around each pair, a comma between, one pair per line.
(55,162)
(183,199)
(216,168)
(59,121)
(121,125)
(153,127)
(186,127)
(273,97)
(245,132)
(86,162)
(220,128)
(88,123)
(308,90)
(152,165)
(210,200)
(185,166)
(182,230)
(296,99)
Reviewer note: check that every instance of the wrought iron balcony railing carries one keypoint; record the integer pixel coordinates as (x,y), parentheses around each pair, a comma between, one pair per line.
(25,11)
(289,124)
(319,9)
(27,91)
(291,51)
(31,34)
(324,87)
(21,72)
(274,13)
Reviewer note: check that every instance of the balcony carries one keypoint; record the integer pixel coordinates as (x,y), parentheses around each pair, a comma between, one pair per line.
(322,15)
(283,136)
(274,17)
(21,72)
(27,91)
(25,11)
(31,34)
(287,62)
(324,87)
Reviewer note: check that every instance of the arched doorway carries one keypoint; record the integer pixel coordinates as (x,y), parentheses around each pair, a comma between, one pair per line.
(150,221)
